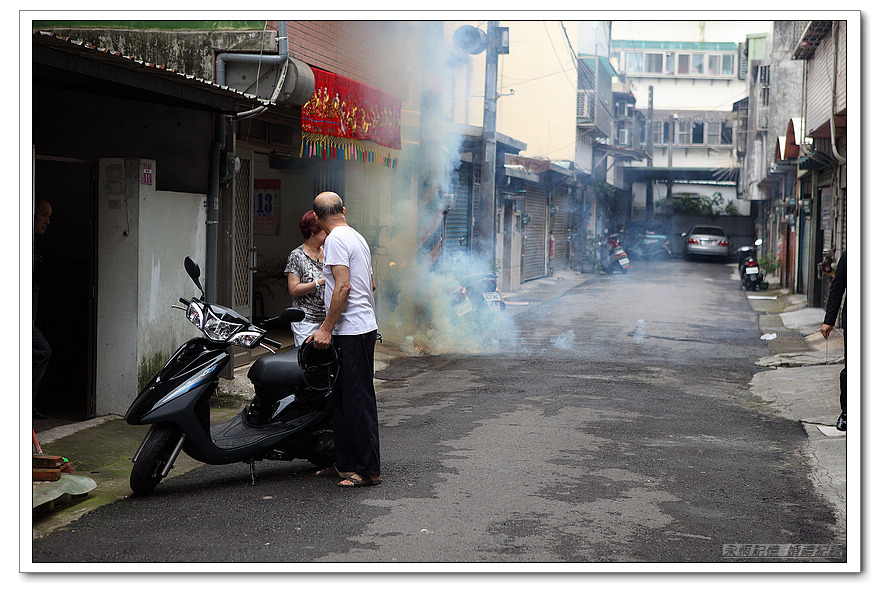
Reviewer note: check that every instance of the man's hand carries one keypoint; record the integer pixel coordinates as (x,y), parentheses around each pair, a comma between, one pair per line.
(826,330)
(321,339)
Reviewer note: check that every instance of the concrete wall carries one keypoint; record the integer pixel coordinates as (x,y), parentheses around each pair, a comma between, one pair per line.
(728,195)
(171,226)
(117,308)
(540,70)
(143,237)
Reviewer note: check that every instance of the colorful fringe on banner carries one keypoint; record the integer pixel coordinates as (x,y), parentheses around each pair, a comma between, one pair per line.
(329,148)
(346,120)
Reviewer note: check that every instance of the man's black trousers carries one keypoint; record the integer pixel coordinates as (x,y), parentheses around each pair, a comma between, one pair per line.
(355,416)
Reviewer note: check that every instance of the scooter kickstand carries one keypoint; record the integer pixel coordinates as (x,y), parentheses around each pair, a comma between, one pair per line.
(253,473)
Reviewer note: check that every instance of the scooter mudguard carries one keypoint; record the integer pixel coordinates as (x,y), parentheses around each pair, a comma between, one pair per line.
(195,367)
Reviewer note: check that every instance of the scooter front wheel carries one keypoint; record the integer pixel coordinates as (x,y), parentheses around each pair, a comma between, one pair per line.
(155,454)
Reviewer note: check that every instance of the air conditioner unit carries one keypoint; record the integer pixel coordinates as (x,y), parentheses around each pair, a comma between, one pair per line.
(586,102)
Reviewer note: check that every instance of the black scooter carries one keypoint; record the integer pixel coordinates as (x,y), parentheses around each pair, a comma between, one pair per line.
(289,417)
(750,274)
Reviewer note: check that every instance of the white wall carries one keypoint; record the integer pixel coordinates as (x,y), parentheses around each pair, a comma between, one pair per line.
(143,238)
(171,227)
(116,356)
(541,72)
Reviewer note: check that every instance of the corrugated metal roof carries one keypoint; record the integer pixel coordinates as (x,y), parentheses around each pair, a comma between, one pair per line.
(114,58)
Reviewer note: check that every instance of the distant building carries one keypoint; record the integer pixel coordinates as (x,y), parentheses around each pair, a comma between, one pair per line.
(686,77)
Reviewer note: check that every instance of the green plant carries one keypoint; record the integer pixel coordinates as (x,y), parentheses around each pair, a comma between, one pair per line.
(602,189)
(703,205)
(768,263)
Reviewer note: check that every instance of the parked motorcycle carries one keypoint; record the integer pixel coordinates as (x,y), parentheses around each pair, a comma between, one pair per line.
(747,251)
(611,255)
(289,417)
(750,274)
(477,298)
(651,246)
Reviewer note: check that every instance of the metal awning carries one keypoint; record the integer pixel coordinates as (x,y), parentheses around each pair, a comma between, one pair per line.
(809,42)
(723,176)
(66,63)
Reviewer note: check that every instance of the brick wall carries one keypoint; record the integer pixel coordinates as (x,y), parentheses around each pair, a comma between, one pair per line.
(381,54)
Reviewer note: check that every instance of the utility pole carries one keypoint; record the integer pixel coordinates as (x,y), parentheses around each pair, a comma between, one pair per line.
(486,221)
(649,141)
(669,144)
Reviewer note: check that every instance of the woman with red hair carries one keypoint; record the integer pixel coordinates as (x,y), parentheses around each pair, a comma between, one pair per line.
(305,278)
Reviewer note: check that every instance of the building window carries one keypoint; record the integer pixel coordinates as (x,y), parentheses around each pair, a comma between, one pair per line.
(727,62)
(684,133)
(653,63)
(660,131)
(697,64)
(713,133)
(670,64)
(719,134)
(634,61)
(684,64)
(697,133)
(726,133)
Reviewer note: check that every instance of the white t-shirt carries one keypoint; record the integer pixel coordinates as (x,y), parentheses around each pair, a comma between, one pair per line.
(345,246)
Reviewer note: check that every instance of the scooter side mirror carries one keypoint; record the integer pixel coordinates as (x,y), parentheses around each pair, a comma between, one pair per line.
(192,268)
(292,315)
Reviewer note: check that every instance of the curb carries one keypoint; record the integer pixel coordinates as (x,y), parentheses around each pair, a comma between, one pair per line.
(801,383)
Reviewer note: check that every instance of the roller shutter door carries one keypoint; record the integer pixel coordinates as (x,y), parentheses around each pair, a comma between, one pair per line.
(456,222)
(535,233)
(559,229)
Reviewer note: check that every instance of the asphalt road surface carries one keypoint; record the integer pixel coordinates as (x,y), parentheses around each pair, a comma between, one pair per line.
(614,425)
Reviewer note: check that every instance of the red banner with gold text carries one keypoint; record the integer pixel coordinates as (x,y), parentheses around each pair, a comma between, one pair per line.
(344,119)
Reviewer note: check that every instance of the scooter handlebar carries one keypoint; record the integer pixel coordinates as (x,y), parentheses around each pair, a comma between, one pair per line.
(269,342)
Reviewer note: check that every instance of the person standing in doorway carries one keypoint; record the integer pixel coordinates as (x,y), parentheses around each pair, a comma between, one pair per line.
(350,325)
(41,351)
(305,278)
(835,300)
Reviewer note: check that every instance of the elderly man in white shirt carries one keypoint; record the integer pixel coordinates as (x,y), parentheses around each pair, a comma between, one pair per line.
(350,325)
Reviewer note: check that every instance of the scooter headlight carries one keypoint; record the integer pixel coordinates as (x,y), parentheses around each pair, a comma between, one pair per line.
(218,330)
(245,339)
(196,313)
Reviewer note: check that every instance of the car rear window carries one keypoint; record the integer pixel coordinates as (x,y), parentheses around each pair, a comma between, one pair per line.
(707,230)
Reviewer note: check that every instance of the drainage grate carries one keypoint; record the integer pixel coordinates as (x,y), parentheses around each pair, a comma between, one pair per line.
(789,335)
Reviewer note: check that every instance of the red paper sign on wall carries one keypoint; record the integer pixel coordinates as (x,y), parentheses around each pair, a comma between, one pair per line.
(267,206)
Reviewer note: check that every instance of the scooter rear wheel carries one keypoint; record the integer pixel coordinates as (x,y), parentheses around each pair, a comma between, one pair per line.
(147,471)
(323,453)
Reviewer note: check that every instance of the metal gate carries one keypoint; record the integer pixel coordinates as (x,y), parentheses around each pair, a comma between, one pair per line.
(243,240)
(534,245)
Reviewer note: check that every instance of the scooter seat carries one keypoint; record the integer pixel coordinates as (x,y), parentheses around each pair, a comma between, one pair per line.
(281,370)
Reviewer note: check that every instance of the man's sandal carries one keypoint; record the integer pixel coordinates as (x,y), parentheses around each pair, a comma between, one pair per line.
(355,481)
(332,472)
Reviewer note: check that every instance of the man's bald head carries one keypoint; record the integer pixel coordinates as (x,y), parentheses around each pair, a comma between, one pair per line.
(327,204)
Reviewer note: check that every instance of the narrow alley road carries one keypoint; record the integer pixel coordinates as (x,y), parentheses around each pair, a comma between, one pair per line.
(620,428)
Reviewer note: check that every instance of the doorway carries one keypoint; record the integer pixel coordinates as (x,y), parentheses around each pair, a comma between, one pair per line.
(66,271)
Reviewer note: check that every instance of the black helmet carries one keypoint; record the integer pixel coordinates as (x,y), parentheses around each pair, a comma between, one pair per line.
(320,367)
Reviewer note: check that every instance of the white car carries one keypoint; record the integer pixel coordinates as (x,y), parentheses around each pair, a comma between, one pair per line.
(706,240)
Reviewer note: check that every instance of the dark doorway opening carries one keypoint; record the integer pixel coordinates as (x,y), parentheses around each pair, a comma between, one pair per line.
(66,271)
